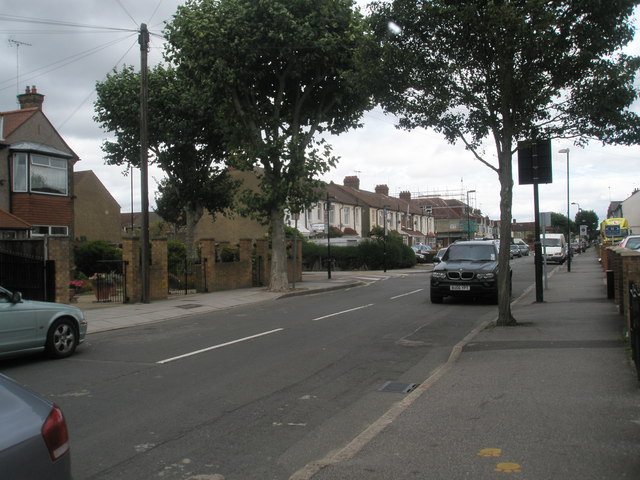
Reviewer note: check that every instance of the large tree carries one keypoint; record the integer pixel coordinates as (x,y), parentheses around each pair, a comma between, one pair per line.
(277,73)
(590,219)
(183,140)
(508,70)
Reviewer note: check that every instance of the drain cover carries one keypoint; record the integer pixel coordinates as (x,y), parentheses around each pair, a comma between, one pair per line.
(398,387)
(189,305)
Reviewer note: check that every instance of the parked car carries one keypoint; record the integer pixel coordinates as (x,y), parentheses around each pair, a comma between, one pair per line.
(515,250)
(439,255)
(522,245)
(632,241)
(576,247)
(469,269)
(34,440)
(28,326)
(420,257)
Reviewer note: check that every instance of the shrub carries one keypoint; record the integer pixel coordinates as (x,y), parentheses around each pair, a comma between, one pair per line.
(97,256)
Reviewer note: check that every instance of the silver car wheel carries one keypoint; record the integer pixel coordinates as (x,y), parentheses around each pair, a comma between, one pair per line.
(62,340)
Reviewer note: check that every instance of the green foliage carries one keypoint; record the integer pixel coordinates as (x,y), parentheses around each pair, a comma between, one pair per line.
(590,219)
(96,257)
(367,255)
(177,254)
(184,140)
(511,71)
(559,224)
(275,74)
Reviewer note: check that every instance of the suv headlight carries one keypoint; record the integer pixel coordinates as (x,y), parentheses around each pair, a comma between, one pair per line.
(485,276)
(439,275)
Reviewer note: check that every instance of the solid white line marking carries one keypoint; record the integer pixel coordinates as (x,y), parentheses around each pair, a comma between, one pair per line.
(406,294)
(190,354)
(344,311)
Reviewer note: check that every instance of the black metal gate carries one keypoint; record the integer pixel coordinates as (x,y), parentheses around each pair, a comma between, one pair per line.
(184,277)
(111,286)
(31,276)
(634,322)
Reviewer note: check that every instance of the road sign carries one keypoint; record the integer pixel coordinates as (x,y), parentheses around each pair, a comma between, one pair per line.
(612,230)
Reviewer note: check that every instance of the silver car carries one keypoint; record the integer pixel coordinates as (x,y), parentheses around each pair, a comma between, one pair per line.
(34,440)
(28,326)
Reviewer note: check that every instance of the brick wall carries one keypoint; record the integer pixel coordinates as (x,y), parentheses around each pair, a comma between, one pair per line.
(59,250)
(625,264)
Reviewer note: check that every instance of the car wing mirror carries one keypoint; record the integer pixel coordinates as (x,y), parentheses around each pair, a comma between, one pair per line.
(16,297)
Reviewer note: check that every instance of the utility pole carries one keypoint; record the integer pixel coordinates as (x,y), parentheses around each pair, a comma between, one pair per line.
(143,40)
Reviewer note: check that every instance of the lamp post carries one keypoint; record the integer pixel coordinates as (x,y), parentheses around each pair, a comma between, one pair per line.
(328,213)
(468,219)
(566,150)
(579,235)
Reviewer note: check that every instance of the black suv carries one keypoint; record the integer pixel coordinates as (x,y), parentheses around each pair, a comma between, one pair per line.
(467,269)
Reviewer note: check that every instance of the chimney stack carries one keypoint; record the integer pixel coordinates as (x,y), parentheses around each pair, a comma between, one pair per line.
(406,196)
(352,181)
(31,98)
(383,189)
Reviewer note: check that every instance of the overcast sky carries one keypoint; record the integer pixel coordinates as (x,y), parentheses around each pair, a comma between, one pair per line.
(65,62)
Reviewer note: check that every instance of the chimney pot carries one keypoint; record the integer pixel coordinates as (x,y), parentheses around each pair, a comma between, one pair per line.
(31,98)
(382,189)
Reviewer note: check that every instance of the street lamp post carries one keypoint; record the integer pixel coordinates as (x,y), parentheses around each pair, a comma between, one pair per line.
(566,150)
(468,219)
(579,235)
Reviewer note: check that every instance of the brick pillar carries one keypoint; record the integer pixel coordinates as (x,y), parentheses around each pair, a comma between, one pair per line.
(59,250)
(159,270)
(630,273)
(131,255)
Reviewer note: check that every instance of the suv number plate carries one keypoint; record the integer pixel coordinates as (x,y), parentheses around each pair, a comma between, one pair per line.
(460,287)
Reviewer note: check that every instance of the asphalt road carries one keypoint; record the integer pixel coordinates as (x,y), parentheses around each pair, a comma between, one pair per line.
(254,392)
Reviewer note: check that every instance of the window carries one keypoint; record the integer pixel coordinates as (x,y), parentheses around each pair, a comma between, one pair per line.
(346,215)
(39,230)
(20,172)
(45,174)
(48,175)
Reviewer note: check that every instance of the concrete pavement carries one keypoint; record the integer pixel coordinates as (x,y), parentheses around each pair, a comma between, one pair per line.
(553,398)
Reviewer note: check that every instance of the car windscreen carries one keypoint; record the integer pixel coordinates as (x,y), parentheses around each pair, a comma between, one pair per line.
(633,243)
(473,253)
(551,242)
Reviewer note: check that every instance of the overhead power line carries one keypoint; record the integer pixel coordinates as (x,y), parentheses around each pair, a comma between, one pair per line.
(59,23)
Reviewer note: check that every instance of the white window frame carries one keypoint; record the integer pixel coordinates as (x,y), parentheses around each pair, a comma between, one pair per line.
(34,163)
(39,230)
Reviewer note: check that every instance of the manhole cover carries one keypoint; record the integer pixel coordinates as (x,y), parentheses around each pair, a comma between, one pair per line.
(398,387)
(189,305)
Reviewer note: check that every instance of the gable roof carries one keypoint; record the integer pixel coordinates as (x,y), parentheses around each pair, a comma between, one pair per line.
(14,119)
(8,221)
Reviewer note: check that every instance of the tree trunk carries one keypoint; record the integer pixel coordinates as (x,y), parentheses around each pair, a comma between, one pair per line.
(505,175)
(192,218)
(278,278)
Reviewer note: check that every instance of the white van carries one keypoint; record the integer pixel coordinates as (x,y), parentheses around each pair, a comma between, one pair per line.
(554,247)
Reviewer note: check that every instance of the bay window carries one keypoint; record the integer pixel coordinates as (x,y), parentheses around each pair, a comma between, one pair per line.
(40,174)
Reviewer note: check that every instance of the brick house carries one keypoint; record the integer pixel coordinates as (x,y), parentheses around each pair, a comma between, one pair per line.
(96,212)
(36,169)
